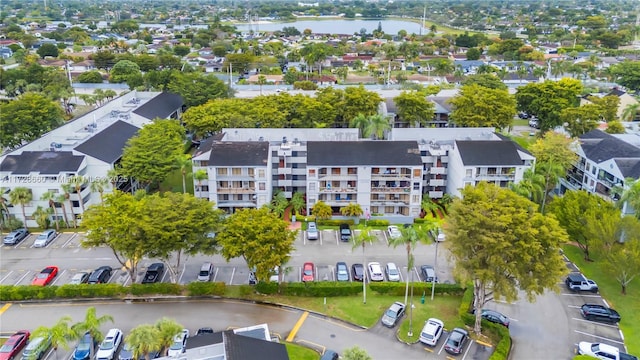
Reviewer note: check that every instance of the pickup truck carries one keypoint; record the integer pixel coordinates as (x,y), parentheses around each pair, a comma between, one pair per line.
(154,273)
(578,282)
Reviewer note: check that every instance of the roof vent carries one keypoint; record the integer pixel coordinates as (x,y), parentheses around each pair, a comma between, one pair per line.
(284,139)
(54,145)
(261,138)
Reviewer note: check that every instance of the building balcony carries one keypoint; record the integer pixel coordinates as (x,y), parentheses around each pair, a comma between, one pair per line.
(341,202)
(235,203)
(284,182)
(436,182)
(338,176)
(494,177)
(384,189)
(284,171)
(389,203)
(285,151)
(235,190)
(387,177)
(230,177)
(437,170)
(436,194)
(338,190)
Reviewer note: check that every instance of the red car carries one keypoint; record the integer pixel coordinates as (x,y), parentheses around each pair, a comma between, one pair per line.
(45,276)
(14,345)
(308,272)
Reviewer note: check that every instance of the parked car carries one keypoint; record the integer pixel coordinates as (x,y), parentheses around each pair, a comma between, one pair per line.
(375,272)
(126,353)
(204,330)
(100,275)
(109,345)
(79,278)
(342,272)
(45,276)
(179,343)
(312,231)
(495,317)
(14,344)
(439,235)
(428,273)
(153,274)
(36,348)
(578,282)
(206,270)
(393,314)
(599,312)
(392,272)
(357,272)
(330,355)
(253,279)
(275,275)
(456,341)
(345,232)
(45,238)
(602,351)
(15,237)
(308,272)
(83,350)
(432,331)
(394,232)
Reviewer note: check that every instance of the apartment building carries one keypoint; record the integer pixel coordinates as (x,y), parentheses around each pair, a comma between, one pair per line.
(89,146)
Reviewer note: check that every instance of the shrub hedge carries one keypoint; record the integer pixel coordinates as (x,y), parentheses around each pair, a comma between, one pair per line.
(335,222)
(321,288)
(398,288)
(205,288)
(376,222)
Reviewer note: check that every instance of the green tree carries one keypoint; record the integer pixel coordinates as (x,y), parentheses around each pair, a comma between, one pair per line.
(279,204)
(184,164)
(628,195)
(501,244)
(414,108)
(298,202)
(376,126)
(322,211)
(356,353)
(103,59)
(47,50)
(486,80)
(352,209)
(360,240)
(167,331)
(181,50)
(531,186)
(61,199)
(260,237)
(627,74)
(78,181)
(28,117)
(50,198)
(21,196)
(582,119)
(358,100)
(197,88)
(630,113)
(359,122)
(478,106)
(151,154)
(200,175)
(622,262)
(99,185)
(546,100)
(144,339)
(41,216)
(67,190)
(615,127)
(240,63)
(92,324)
(60,333)
(123,70)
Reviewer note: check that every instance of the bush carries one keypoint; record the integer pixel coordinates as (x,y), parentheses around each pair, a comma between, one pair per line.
(205,288)
(155,289)
(267,288)
(335,222)
(305,85)
(398,288)
(376,222)
(312,289)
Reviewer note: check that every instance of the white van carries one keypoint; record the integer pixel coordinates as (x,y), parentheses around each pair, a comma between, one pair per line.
(205,272)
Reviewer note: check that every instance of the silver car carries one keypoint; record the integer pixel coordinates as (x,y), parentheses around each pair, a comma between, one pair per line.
(392,272)
(45,238)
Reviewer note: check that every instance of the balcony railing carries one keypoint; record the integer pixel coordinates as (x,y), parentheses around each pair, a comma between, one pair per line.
(338,176)
(436,194)
(338,190)
(438,170)
(436,182)
(236,190)
(496,176)
(391,176)
(384,189)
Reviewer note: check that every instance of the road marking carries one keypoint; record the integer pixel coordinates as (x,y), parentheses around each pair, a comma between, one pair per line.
(297,326)
(5,308)
(216,274)
(429,349)
(4,278)
(337,237)
(574,306)
(233,272)
(595,322)
(577,294)
(484,343)
(70,239)
(599,337)
(467,352)
(58,277)
(22,278)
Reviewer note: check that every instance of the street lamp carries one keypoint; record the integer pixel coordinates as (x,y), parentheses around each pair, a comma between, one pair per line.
(410,333)
(435,265)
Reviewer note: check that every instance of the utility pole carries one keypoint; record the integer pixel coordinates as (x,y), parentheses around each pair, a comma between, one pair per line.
(230,74)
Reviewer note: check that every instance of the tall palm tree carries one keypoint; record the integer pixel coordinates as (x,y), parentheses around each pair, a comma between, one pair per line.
(167,331)
(21,196)
(113,175)
(630,112)
(360,122)
(144,339)
(297,202)
(92,324)
(377,124)
(629,195)
(551,173)
(184,164)
(200,175)
(4,210)
(99,186)
(361,239)
(42,216)
(50,197)
(60,334)
(279,203)
(430,207)
(531,186)
(68,189)
(77,181)
(61,199)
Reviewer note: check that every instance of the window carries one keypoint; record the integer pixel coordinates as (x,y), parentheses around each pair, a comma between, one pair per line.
(261,173)
(352,171)
(312,186)
(335,171)
(416,186)
(312,173)
(262,186)
(222,171)
(236,171)
(415,199)
(251,172)
(416,173)
(469,173)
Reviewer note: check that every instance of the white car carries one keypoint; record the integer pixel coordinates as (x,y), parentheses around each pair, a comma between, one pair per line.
(598,351)
(109,345)
(45,238)
(375,272)
(392,272)
(179,343)
(394,232)
(431,331)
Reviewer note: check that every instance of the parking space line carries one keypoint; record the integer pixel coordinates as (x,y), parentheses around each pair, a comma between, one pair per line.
(126,280)
(304,238)
(58,277)
(4,278)
(583,295)
(233,272)
(599,337)
(112,275)
(68,241)
(320,237)
(428,349)
(468,348)
(483,343)
(184,266)
(595,322)
(22,278)
(337,237)
(574,306)
(216,274)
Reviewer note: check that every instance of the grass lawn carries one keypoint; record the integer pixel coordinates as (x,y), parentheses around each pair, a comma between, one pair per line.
(173,182)
(442,307)
(627,305)
(300,352)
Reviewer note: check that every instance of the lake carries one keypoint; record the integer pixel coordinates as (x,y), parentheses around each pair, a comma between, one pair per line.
(337,26)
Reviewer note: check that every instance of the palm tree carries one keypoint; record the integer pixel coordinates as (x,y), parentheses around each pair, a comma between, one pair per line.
(630,112)
(167,331)
(297,202)
(200,175)
(184,164)
(361,239)
(360,122)
(629,195)
(144,339)
(279,203)
(262,80)
(60,199)
(60,334)
(77,181)
(113,175)
(68,189)
(321,210)
(531,186)
(377,124)
(21,196)
(430,207)
(92,324)
(551,173)
(4,210)
(50,197)
(98,186)
(41,216)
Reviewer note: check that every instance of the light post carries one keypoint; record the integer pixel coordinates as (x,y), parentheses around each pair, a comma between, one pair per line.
(435,266)
(364,276)
(410,333)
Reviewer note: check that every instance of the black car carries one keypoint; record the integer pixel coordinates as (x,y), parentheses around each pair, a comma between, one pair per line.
(456,341)
(495,317)
(204,330)
(357,272)
(599,313)
(100,275)
(345,232)
(330,355)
